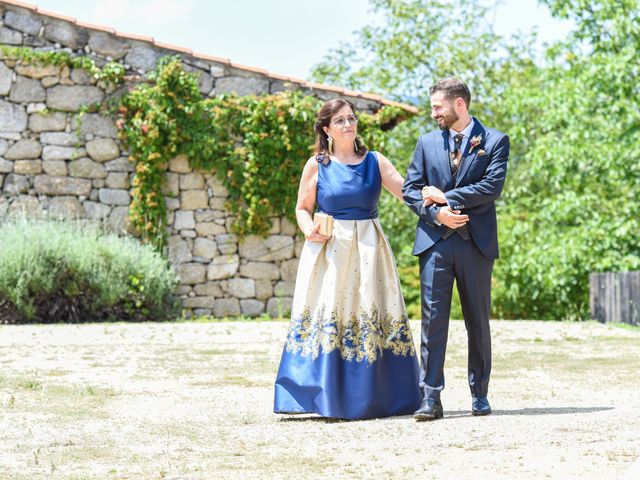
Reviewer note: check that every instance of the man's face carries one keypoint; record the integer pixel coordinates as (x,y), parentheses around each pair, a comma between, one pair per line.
(442,111)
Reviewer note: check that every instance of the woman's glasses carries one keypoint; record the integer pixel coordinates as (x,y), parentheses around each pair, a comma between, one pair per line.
(342,121)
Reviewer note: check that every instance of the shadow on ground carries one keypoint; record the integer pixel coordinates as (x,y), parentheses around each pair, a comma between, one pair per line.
(309,417)
(534,411)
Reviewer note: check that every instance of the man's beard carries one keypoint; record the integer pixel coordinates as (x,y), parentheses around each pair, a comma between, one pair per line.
(449,119)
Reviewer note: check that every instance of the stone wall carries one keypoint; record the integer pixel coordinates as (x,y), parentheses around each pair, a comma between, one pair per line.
(56,162)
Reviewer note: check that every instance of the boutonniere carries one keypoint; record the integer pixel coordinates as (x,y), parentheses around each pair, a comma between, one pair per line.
(474,142)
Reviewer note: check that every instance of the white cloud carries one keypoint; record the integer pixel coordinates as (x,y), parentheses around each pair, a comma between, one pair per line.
(149,12)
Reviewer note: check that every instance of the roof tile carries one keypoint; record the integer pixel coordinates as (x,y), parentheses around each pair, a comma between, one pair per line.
(321,86)
(249,69)
(57,16)
(169,46)
(28,6)
(286,78)
(211,58)
(93,26)
(133,36)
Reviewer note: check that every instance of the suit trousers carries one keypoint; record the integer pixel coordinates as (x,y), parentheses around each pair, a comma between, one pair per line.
(459,259)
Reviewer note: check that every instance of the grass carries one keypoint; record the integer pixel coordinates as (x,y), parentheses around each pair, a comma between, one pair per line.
(591,356)
(214,351)
(625,326)
(193,400)
(242,318)
(29,395)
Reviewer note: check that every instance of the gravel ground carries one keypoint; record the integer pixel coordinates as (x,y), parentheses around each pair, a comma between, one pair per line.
(194,400)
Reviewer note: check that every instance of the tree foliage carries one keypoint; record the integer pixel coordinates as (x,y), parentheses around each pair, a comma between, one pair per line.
(568,208)
(572,113)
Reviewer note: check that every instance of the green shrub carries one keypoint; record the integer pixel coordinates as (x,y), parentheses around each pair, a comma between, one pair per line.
(53,271)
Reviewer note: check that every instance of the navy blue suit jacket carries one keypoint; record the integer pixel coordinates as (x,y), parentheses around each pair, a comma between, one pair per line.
(478,184)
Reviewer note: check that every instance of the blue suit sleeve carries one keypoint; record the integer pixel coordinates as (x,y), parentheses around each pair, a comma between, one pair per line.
(489,188)
(415,180)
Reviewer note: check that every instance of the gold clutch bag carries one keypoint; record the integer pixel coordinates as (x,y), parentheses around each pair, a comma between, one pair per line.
(326,223)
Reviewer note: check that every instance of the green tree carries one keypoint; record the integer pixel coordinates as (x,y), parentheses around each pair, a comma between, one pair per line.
(571,112)
(570,202)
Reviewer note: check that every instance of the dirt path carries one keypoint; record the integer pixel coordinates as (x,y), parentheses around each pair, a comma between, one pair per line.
(194,400)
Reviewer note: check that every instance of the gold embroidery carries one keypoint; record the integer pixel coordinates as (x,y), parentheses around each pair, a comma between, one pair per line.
(364,337)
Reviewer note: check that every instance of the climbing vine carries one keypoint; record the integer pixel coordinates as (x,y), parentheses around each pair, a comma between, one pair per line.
(256,145)
(111,72)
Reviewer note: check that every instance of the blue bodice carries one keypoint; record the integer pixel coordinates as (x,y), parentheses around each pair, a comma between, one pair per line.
(349,192)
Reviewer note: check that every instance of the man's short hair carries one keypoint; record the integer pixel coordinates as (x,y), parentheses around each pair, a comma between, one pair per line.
(452,89)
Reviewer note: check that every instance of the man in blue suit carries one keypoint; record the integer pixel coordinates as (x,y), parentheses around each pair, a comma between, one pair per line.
(455,176)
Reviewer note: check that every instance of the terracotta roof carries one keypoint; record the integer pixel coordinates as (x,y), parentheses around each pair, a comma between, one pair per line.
(203,56)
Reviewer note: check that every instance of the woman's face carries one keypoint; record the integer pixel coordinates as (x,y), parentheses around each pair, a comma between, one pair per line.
(343,124)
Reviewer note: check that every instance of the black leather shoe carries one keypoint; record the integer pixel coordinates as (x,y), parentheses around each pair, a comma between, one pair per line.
(480,406)
(429,410)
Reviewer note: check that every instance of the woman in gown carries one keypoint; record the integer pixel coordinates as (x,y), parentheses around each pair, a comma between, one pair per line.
(349,352)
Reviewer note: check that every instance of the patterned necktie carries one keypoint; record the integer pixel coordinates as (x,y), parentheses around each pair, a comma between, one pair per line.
(457,154)
(454,163)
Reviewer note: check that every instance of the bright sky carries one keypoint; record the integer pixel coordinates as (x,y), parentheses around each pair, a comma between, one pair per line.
(283,36)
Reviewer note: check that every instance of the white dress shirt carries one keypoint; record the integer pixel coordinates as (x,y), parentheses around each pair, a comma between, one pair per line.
(466,132)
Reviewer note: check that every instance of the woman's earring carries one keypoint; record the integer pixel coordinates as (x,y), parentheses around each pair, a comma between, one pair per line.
(330,143)
(355,146)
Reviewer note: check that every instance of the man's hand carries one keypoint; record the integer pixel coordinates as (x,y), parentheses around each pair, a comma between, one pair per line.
(451,218)
(433,195)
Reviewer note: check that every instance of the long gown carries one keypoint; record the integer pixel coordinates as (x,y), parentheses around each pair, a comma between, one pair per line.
(349,352)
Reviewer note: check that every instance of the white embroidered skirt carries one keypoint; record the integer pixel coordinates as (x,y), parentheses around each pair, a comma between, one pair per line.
(349,352)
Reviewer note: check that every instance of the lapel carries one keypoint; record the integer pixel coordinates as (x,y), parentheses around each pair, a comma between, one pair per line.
(442,152)
(468,158)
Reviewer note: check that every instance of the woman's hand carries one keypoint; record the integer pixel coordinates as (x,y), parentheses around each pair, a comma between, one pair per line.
(314,236)
(433,195)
